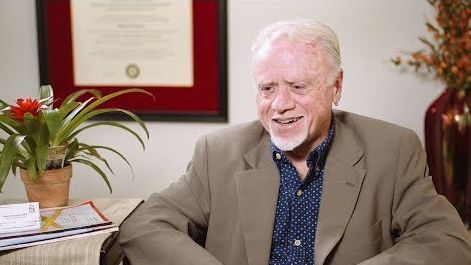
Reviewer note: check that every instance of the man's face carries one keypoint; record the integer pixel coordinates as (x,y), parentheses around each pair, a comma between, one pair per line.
(294,99)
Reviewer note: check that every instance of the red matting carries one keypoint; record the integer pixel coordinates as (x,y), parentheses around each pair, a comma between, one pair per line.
(205,101)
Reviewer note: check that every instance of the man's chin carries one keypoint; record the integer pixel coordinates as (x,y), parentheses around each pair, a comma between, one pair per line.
(286,144)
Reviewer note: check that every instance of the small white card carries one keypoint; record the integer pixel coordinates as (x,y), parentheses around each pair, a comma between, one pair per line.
(19,217)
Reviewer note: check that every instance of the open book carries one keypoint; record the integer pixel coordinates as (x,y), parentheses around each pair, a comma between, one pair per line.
(59,224)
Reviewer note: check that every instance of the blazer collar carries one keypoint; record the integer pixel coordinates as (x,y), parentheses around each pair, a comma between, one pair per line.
(344,173)
(257,190)
(261,155)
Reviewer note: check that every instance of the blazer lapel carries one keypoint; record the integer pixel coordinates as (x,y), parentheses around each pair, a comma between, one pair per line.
(343,178)
(257,191)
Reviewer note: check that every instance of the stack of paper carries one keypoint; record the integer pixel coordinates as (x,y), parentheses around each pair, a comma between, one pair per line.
(59,224)
(19,217)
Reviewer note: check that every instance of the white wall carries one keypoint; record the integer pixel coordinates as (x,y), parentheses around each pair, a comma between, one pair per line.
(370,31)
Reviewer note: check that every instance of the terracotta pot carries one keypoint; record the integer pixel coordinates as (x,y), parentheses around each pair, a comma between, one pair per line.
(448,145)
(51,189)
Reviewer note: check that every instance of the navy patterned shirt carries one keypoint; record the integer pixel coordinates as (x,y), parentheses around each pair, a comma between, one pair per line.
(298,206)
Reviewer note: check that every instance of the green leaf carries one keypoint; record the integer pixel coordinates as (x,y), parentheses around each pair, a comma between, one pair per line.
(109,123)
(72,97)
(28,145)
(102,100)
(102,111)
(32,168)
(41,158)
(52,119)
(37,139)
(65,109)
(96,168)
(79,118)
(45,91)
(3,105)
(9,121)
(72,150)
(84,146)
(92,152)
(8,155)
(31,126)
(41,148)
(14,168)
(6,129)
(46,95)
(137,119)
(77,111)
(66,123)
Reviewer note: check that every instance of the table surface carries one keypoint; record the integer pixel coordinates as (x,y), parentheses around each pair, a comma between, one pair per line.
(111,252)
(78,251)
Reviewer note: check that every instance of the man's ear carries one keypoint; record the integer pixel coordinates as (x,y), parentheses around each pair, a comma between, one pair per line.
(338,87)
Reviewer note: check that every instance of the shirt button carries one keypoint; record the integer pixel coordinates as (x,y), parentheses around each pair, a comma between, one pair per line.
(299,193)
(278,156)
(297,242)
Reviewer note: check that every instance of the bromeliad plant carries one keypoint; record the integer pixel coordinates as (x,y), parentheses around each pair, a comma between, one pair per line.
(40,137)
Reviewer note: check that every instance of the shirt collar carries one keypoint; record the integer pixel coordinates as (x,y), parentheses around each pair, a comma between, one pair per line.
(317,156)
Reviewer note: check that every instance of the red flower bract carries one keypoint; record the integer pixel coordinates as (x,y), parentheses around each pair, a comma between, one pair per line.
(24,106)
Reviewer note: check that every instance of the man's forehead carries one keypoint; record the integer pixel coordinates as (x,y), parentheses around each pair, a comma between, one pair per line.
(297,73)
(284,56)
(292,68)
(287,49)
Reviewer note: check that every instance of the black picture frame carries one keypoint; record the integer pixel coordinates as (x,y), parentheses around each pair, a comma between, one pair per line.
(53,30)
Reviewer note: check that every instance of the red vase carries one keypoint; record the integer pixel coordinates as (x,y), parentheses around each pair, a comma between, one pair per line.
(448,145)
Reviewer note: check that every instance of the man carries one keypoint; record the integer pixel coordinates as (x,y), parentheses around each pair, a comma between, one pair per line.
(304,184)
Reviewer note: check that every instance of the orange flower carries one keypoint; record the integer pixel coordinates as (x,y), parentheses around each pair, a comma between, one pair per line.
(24,106)
(454,69)
(448,48)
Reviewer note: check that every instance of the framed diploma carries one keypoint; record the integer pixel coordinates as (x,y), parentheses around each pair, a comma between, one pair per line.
(175,49)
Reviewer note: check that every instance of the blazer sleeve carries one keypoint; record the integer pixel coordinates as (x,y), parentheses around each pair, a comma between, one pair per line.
(428,228)
(170,227)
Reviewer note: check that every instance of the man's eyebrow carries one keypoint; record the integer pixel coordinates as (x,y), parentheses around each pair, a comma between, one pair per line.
(266,84)
(289,82)
(303,81)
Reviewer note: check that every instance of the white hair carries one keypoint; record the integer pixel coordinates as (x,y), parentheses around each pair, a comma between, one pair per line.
(303,31)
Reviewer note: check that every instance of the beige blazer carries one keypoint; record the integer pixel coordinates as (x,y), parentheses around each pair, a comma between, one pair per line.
(378,204)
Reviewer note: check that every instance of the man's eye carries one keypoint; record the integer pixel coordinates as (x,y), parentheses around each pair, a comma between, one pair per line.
(266,88)
(299,88)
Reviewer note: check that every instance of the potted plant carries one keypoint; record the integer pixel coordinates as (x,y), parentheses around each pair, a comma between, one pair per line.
(447,55)
(41,141)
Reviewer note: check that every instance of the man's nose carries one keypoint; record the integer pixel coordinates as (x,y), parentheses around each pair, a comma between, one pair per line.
(283,100)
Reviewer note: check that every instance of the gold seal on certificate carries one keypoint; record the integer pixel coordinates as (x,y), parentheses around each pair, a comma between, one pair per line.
(132,71)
